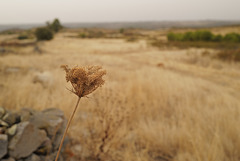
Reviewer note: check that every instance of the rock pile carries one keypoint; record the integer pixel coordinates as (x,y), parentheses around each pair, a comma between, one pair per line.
(30,135)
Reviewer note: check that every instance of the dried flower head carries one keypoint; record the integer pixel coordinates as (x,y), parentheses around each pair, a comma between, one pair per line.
(84,80)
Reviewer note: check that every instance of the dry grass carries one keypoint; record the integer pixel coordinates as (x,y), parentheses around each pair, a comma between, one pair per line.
(186,110)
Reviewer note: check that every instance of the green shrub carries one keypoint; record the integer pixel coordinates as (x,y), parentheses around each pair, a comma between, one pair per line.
(171,36)
(82,35)
(232,37)
(122,30)
(43,33)
(22,37)
(217,38)
(55,26)
(205,35)
(175,37)
(188,36)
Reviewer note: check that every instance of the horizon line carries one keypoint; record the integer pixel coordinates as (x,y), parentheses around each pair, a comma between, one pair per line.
(123,21)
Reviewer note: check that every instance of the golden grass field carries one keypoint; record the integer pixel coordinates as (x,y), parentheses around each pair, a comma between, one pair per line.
(156,104)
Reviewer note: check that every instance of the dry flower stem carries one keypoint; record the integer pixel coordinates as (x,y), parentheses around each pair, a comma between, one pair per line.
(65,132)
(84,80)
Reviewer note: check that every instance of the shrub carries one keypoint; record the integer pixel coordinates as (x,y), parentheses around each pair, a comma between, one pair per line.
(232,37)
(205,35)
(171,36)
(55,25)
(122,30)
(43,33)
(217,38)
(229,55)
(82,35)
(22,37)
(188,36)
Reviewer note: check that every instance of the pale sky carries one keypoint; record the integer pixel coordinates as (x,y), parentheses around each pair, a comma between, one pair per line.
(40,11)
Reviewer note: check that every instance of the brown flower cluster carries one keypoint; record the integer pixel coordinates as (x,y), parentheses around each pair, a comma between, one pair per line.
(84,80)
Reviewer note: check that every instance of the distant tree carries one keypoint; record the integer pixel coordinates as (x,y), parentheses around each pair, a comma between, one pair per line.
(232,37)
(43,33)
(188,36)
(55,25)
(217,38)
(122,30)
(206,36)
(171,36)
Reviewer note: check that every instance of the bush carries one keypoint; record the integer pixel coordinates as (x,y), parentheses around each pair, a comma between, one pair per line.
(229,55)
(232,37)
(188,36)
(55,25)
(82,35)
(203,35)
(175,37)
(122,30)
(44,33)
(217,38)
(191,36)
(22,37)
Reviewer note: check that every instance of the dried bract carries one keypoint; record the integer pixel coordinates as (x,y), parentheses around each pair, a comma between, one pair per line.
(84,80)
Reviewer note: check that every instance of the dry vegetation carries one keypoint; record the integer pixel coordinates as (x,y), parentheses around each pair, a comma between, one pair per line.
(160,105)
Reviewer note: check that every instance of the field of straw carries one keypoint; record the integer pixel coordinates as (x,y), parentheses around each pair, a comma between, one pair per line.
(156,104)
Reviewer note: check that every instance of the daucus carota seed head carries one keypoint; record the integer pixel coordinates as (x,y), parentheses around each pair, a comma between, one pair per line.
(84,80)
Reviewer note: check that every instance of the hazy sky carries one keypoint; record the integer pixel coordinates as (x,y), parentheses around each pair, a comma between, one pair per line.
(39,11)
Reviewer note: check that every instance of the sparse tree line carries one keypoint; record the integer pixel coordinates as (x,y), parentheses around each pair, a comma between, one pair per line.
(203,35)
(47,32)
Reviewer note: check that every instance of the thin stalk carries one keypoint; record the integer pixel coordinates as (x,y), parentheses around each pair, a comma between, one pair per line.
(65,132)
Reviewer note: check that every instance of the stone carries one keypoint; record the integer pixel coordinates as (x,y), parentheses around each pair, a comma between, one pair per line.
(58,137)
(3,145)
(45,148)
(12,130)
(10,118)
(27,140)
(2,130)
(52,157)
(33,157)
(54,112)
(25,115)
(9,159)
(2,112)
(2,50)
(3,123)
(50,123)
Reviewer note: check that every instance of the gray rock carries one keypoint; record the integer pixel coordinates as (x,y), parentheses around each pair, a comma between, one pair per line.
(25,115)
(27,140)
(10,118)
(3,145)
(2,130)
(58,137)
(3,123)
(2,50)
(12,130)
(53,157)
(33,157)
(2,112)
(9,159)
(54,112)
(45,148)
(50,123)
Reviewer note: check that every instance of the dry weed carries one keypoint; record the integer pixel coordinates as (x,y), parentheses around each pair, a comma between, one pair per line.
(84,80)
